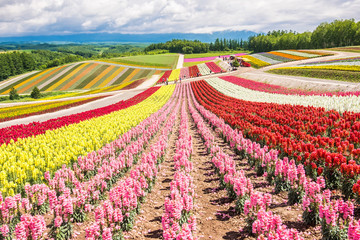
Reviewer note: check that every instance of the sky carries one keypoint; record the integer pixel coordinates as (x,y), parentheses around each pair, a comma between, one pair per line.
(57,17)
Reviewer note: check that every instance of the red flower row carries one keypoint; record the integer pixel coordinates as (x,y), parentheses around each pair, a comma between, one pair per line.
(213,67)
(304,133)
(36,128)
(194,71)
(165,76)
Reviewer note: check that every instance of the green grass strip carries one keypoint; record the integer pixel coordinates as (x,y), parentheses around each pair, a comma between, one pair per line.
(97,71)
(124,76)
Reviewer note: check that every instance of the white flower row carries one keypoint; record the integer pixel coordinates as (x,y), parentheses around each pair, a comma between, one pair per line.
(265,59)
(338,103)
(204,69)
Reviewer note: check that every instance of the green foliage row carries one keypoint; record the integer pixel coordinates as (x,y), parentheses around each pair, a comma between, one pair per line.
(327,35)
(180,46)
(347,76)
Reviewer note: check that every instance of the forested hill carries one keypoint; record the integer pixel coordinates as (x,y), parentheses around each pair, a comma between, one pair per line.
(338,33)
(16,62)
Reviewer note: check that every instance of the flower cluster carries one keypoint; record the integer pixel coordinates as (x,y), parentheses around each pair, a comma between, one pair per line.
(178,222)
(117,214)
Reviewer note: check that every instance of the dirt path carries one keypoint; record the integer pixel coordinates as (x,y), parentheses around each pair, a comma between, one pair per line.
(215,212)
(180,62)
(148,222)
(79,228)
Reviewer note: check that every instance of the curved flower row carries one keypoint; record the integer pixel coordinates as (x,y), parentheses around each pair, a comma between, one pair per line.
(323,140)
(23,111)
(213,67)
(338,103)
(175,74)
(14,133)
(204,69)
(336,216)
(265,87)
(184,73)
(178,222)
(266,59)
(263,223)
(117,214)
(71,193)
(335,61)
(27,159)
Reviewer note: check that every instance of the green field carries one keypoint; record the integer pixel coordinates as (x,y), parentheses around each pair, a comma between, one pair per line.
(213,54)
(156,61)
(189,64)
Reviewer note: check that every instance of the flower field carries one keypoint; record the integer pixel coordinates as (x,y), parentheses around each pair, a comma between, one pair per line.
(221,158)
(78,76)
(259,60)
(197,70)
(269,88)
(22,111)
(343,69)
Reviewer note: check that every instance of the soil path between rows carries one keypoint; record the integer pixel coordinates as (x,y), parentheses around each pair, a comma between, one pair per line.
(213,209)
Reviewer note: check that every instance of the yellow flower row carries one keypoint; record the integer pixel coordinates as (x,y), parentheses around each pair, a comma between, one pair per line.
(174,74)
(27,159)
(255,61)
(10,112)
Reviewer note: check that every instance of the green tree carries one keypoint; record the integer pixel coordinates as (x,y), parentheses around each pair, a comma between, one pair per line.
(13,94)
(236,63)
(35,93)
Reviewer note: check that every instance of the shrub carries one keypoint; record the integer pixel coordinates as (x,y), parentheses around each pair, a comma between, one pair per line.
(35,93)
(13,94)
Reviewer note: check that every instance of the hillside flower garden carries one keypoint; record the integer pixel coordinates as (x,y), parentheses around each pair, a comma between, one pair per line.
(265,147)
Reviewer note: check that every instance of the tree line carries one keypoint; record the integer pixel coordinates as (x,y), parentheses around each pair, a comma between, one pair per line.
(338,33)
(180,46)
(334,34)
(16,62)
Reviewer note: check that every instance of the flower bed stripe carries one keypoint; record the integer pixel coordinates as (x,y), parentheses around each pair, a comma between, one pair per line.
(338,103)
(264,87)
(21,82)
(124,76)
(113,77)
(76,79)
(66,77)
(131,76)
(65,144)
(27,111)
(289,56)
(105,71)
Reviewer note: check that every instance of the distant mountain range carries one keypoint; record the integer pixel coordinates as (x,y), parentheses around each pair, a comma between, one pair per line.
(140,38)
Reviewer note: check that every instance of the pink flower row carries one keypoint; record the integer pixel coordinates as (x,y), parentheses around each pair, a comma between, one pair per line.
(339,211)
(265,87)
(265,225)
(115,215)
(178,222)
(74,191)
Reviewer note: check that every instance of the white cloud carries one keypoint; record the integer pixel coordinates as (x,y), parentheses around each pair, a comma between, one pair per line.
(37,17)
